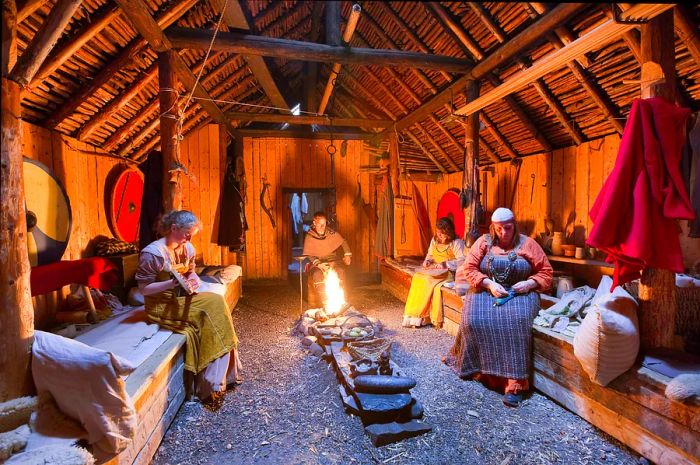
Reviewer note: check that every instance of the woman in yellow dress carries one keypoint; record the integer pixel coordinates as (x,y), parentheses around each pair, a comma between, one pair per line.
(203,317)
(445,254)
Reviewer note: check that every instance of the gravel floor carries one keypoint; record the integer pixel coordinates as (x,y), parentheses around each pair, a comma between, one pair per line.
(288,410)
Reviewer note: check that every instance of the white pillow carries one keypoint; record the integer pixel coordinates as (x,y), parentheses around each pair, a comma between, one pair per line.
(87,386)
(607,342)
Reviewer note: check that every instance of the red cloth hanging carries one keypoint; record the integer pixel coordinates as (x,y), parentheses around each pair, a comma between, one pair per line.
(423,218)
(635,210)
(95,272)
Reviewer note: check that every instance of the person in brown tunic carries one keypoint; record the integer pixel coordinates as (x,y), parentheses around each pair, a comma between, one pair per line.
(203,317)
(322,246)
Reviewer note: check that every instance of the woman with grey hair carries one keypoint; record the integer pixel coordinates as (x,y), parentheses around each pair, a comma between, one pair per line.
(168,282)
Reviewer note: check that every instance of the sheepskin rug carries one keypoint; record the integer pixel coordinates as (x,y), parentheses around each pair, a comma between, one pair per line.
(685,388)
(13,441)
(53,454)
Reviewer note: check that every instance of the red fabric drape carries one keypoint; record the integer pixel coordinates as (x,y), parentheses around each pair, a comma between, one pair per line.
(423,218)
(95,272)
(634,212)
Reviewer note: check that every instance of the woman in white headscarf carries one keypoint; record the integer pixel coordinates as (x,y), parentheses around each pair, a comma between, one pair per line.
(506,271)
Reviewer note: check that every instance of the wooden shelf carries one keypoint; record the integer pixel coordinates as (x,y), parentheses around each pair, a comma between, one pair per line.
(578,261)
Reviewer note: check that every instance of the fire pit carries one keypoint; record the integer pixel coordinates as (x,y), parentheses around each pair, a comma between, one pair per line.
(371,385)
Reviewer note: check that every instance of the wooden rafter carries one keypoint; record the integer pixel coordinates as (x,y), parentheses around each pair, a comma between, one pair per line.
(234,17)
(141,19)
(595,38)
(80,38)
(131,50)
(510,49)
(427,153)
(43,41)
(687,31)
(437,146)
(308,120)
(464,39)
(306,51)
(27,9)
(559,112)
(408,32)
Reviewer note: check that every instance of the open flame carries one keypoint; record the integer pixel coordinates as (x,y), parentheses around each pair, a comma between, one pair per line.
(335,294)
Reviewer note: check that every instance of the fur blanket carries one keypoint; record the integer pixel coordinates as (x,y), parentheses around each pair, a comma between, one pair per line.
(685,388)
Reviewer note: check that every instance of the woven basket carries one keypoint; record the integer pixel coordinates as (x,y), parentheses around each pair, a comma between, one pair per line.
(372,349)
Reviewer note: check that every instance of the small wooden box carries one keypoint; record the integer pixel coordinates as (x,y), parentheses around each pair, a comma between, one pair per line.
(126,270)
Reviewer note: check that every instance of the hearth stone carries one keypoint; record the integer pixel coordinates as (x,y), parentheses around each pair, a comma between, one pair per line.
(386,433)
(316,349)
(383,403)
(309,340)
(383,384)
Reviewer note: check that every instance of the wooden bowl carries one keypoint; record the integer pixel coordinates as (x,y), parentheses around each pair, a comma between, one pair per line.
(568,249)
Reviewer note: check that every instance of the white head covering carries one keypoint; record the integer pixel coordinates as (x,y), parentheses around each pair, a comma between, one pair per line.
(501,215)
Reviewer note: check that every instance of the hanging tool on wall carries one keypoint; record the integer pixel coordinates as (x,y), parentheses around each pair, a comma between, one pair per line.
(518,163)
(267,209)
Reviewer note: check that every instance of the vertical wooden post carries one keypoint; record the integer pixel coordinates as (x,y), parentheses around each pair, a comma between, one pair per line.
(471,161)
(16,311)
(170,145)
(394,168)
(658,296)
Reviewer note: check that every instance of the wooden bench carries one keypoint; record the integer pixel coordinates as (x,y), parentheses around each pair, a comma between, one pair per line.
(633,408)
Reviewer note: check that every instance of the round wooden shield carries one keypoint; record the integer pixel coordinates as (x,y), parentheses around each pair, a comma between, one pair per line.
(48,214)
(125,205)
(450,207)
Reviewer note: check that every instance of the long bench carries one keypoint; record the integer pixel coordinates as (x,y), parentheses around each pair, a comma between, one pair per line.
(633,408)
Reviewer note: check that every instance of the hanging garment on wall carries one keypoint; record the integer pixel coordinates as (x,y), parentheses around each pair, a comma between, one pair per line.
(693,145)
(383,246)
(232,221)
(299,207)
(151,204)
(635,210)
(423,217)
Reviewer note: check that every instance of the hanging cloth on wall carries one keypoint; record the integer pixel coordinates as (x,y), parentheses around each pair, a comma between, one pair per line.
(423,218)
(151,204)
(383,246)
(634,214)
(232,221)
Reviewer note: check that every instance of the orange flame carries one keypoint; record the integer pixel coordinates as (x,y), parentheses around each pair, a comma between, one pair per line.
(335,294)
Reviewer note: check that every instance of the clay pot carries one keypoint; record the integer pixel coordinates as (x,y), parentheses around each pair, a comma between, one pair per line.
(569,250)
(557,241)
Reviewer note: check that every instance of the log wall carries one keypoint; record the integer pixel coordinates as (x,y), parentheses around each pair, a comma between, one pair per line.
(298,164)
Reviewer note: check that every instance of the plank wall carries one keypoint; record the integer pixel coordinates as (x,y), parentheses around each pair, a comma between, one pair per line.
(82,176)
(565,185)
(301,163)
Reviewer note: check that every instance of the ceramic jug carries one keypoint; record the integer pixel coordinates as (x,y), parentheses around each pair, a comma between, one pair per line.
(557,242)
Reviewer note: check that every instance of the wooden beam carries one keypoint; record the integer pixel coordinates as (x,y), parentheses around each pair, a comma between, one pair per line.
(510,49)
(234,17)
(9,36)
(394,163)
(60,56)
(169,131)
(335,71)
(118,64)
(451,25)
(559,112)
(236,42)
(493,130)
(595,38)
(27,9)
(308,120)
(43,41)
(311,99)
(437,146)
(687,31)
(658,294)
(141,19)
(420,145)
(17,329)
(386,9)
(470,172)
(304,134)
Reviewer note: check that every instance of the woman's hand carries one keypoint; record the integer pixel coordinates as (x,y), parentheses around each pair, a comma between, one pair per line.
(347,259)
(523,287)
(439,266)
(494,288)
(427,263)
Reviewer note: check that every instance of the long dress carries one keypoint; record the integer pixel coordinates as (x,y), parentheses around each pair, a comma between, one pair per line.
(496,340)
(203,318)
(424,303)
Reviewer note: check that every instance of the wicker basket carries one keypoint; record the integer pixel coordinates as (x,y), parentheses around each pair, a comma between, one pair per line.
(372,349)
